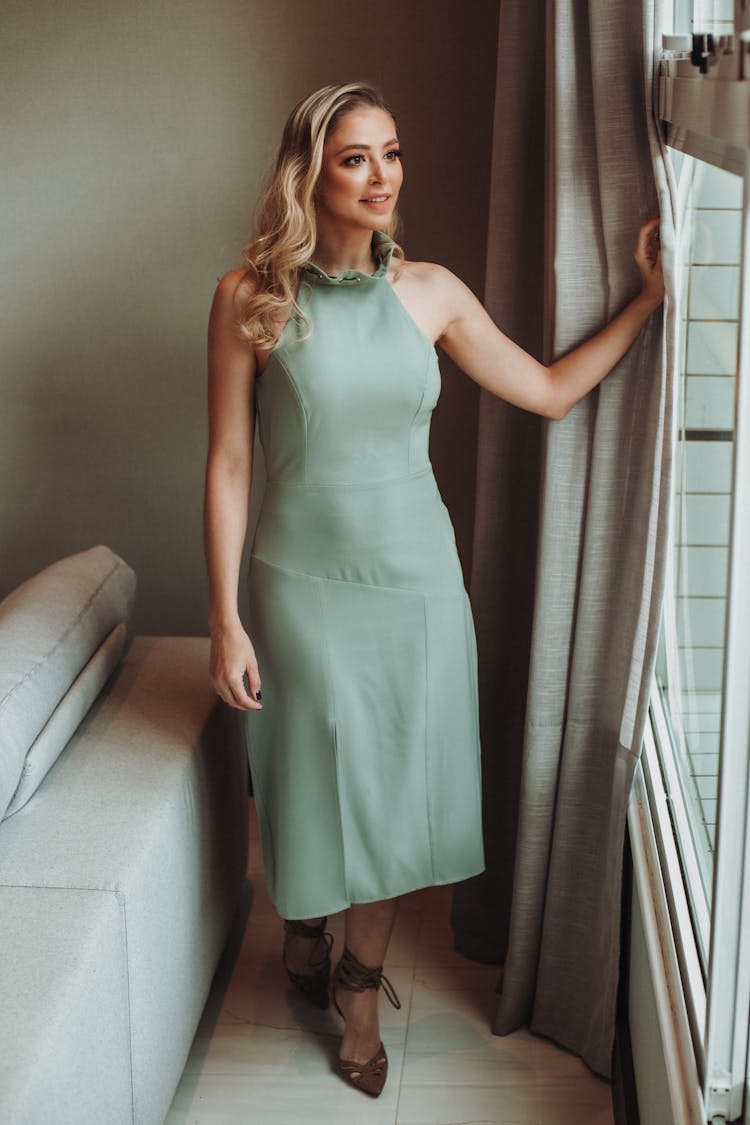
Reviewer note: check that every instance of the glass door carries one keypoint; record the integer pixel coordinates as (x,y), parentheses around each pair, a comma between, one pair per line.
(690,668)
(701,709)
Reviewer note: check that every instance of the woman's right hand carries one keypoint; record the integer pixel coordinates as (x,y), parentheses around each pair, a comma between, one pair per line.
(233,656)
(648,258)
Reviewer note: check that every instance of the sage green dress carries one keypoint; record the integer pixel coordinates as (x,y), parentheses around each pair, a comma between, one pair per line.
(365,757)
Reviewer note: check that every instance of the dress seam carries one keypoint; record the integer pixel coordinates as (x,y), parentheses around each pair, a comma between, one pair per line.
(311,485)
(333,726)
(298,395)
(351,582)
(430,356)
(427,732)
(418,411)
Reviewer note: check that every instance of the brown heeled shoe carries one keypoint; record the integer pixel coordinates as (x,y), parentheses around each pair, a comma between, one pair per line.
(352,974)
(313,985)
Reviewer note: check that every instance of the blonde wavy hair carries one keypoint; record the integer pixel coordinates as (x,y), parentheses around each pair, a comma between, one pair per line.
(284,230)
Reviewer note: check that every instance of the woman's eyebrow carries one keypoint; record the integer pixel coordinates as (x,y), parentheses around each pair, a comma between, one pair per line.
(392,141)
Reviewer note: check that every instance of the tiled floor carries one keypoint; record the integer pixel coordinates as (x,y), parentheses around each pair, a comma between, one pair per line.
(263,1056)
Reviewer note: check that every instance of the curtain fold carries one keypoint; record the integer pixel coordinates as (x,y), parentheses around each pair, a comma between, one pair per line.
(571,527)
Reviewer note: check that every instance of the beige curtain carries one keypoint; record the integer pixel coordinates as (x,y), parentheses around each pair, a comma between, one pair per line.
(570,536)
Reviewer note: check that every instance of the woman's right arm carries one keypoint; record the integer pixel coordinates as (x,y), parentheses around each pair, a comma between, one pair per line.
(231,424)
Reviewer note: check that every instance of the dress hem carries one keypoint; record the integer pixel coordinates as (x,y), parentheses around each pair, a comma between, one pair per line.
(326,911)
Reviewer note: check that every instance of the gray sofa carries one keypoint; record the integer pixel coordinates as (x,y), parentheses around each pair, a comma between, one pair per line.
(123,849)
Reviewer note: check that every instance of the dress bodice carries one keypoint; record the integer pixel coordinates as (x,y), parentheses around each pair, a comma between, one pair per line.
(353,401)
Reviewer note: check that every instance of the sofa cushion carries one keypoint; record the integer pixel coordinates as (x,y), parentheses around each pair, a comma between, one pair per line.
(64,720)
(50,628)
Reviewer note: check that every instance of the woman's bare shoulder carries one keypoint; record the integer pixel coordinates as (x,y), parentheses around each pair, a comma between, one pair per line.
(423,274)
(236,286)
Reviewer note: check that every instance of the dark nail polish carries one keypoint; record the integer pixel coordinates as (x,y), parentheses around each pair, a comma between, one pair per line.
(257,694)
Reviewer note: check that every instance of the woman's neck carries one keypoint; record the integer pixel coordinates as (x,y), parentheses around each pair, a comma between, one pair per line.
(337,251)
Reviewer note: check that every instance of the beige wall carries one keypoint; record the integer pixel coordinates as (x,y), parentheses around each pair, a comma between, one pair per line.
(134,139)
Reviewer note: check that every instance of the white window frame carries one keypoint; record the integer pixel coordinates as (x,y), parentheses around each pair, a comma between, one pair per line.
(718,1008)
(729,962)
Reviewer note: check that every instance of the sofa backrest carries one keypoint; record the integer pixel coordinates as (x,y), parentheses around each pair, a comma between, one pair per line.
(62,633)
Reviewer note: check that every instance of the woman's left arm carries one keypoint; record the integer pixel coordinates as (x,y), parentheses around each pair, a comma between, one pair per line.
(492,359)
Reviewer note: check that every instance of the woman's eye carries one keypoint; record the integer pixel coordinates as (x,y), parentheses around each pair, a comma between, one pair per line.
(392,155)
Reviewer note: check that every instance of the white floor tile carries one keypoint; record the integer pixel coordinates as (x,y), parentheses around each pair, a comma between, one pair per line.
(450,1038)
(564,1104)
(239,1100)
(449,1105)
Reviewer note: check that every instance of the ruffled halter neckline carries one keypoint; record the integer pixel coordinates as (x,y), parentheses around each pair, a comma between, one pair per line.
(382,249)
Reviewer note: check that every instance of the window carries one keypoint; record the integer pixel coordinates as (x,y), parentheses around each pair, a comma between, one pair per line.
(698,751)
(690,669)
(714,16)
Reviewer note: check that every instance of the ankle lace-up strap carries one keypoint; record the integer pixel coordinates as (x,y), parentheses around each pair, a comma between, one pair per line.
(295,928)
(303,929)
(352,974)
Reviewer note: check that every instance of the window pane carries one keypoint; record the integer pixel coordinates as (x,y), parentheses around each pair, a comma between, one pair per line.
(714,16)
(691,661)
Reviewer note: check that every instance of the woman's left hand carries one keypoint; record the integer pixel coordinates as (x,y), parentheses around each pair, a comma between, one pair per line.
(648,257)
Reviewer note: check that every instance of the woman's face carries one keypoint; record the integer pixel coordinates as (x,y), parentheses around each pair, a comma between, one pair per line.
(361,173)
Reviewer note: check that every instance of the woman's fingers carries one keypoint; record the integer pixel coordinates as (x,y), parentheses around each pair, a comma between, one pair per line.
(252,681)
(244,687)
(649,226)
(648,244)
(236,696)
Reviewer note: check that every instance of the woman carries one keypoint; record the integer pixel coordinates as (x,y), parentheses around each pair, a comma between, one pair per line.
(364,746)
